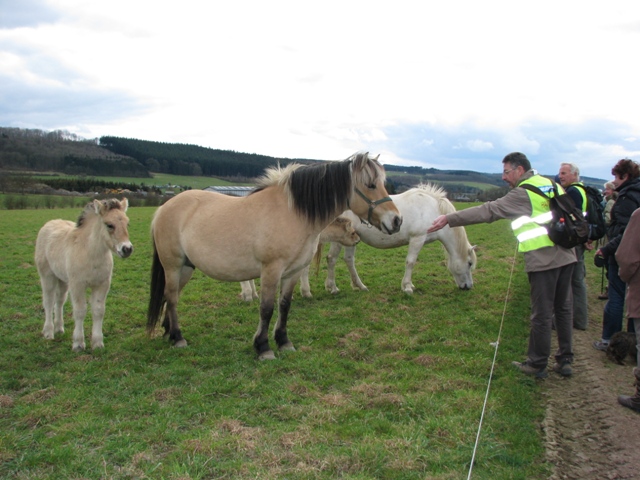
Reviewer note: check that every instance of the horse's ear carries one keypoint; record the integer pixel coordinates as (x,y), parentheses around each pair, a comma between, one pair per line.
(97,205)
(474,247)
(125,204)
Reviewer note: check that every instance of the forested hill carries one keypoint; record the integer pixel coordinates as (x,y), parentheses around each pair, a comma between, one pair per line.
(32,150)
(182,159)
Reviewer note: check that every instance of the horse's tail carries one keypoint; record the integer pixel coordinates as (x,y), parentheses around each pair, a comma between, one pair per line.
(317,257)
(156,297)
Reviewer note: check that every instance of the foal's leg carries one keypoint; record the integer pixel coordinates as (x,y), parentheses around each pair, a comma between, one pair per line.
(79,303)
(62,289)
(280,330)
(48,283)
(350,260)
(305,288)
(98,300)
(332,258)
(248,290)
(415,245)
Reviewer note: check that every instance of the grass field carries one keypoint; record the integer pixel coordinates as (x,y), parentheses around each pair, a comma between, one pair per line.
(383,385)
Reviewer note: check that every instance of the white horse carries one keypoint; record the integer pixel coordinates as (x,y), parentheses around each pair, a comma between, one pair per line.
(418,206)
(76,257)
(341,230)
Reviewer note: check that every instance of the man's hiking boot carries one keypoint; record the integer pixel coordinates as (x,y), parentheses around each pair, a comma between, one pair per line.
(632,402)
(563,369)
(529,370)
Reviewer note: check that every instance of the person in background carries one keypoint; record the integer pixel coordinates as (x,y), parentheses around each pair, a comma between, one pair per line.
(610,196)
(569,176)
(548,266)
(628,258)
(609,199)
(627,182)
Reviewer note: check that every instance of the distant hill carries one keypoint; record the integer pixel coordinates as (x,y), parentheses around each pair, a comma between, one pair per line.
(29,150)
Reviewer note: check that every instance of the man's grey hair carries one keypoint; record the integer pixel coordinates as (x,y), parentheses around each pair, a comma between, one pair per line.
(573,168)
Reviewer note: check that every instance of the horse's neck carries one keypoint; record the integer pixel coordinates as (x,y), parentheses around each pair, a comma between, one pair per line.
(455,241)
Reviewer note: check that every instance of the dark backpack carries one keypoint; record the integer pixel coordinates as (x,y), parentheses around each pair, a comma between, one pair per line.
(568,226)
(595,213)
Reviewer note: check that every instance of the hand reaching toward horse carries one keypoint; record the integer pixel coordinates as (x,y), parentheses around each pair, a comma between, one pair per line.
(438,224)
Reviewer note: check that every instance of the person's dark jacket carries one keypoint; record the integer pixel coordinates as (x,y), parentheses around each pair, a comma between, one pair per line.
(627,202)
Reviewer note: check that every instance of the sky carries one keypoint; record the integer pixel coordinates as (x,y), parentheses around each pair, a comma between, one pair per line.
(454,84)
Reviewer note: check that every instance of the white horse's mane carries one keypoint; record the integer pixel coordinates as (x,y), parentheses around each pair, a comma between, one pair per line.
(445,207)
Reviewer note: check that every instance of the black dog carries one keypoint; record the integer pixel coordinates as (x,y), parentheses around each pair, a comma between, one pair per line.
(622,344)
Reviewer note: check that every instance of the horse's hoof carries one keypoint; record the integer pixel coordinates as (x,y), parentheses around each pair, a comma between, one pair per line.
(47,336)
(97,345)
(268,355)
(78,348)
(180,343)
(287,347)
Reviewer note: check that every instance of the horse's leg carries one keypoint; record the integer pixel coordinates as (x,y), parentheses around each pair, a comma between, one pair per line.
(305,288)
(174,283)
(415,245)
(280,330)
(79,303)
(332,258)
(98,299)
(269,280)
(62,289)
(350,260)
(48,283)
(248,290)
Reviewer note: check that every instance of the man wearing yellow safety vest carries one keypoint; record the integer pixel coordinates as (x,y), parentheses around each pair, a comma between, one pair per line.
(569,176)
(548,266)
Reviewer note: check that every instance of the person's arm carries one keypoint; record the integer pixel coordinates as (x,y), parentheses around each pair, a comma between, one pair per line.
(628,253)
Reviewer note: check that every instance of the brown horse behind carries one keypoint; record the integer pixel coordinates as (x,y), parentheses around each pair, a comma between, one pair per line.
(271,234)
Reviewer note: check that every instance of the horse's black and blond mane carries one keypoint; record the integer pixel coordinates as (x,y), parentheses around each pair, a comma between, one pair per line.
(90,209)
(321,191)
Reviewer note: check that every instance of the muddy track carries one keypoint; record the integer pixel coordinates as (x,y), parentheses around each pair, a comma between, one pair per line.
(588,434)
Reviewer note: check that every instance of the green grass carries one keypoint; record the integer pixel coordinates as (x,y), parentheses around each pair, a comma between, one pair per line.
(383,385)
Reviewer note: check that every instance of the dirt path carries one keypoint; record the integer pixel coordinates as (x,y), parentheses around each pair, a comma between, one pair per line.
(589,435)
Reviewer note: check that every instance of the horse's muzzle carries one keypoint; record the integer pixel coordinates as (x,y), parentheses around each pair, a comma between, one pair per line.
(125,251)
(396,223)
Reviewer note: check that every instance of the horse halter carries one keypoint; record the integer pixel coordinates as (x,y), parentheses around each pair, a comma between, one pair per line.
(371,204)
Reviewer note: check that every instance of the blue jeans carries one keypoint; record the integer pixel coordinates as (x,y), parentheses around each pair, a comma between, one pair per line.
(614,309)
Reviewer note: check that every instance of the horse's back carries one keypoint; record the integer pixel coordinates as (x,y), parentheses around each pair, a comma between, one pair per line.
(229,238)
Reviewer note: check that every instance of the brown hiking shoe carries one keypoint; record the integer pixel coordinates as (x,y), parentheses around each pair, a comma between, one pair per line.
(529,370)
(630,402)
(563,369)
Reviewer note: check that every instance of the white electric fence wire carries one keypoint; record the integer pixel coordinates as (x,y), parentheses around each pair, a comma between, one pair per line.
(493,364)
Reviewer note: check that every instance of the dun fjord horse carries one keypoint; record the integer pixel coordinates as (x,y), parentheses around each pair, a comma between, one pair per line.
(271,234)
(76,257)
(418,207)
(340,231)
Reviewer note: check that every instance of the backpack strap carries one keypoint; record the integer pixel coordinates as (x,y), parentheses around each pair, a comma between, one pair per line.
(535,189)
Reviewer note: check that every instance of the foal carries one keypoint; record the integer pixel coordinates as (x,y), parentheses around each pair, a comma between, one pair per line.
(76,257)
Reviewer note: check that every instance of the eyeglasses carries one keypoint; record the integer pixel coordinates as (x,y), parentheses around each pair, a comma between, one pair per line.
(508,171)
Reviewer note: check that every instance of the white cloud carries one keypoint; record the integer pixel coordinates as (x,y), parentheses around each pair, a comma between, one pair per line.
(293,79)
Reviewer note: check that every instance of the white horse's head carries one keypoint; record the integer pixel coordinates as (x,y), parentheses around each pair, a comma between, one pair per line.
(461,264)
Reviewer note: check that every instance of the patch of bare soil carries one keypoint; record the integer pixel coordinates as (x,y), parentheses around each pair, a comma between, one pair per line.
(589,435)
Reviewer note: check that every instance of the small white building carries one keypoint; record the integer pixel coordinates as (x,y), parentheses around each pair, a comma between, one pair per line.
(234,191)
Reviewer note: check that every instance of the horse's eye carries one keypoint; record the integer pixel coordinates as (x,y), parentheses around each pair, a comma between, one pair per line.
(371,186)
(110,226)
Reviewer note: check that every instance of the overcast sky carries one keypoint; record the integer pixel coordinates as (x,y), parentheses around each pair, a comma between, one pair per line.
(445,84)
